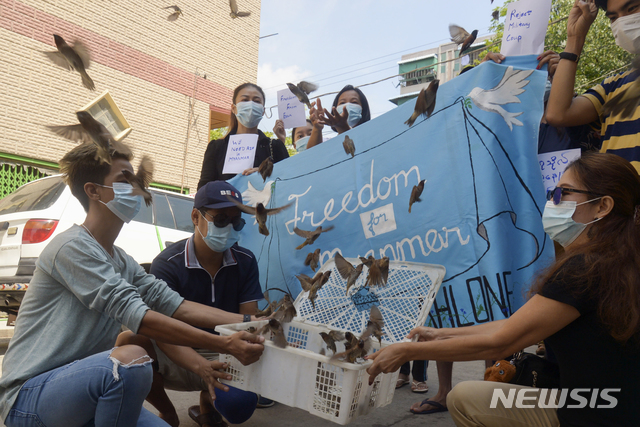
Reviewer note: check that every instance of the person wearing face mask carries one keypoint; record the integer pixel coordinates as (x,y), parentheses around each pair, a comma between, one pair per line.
(300,136)
(350,109)
(211,269)
(247,111)
(619,134)
(585,305)
(61,367)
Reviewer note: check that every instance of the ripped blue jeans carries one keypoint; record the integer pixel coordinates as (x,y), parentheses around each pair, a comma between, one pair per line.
(95,391)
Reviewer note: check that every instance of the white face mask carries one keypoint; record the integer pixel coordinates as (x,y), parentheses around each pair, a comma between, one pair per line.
(301,144)
(626,32)
(558,223)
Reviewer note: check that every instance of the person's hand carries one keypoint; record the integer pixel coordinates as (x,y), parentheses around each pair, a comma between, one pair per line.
(315,114)
(389,359)
(424,333)
(336,120)
(581,16)
(278,129)
(249,171)
(210,371)
(495,57)
(245,347)
(550,58)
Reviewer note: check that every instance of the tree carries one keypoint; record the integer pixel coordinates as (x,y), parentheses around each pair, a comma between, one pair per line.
(600,58)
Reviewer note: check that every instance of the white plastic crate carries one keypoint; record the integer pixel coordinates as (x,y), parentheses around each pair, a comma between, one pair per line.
(299,376)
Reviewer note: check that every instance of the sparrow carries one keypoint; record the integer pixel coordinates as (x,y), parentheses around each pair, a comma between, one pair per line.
(310,236)
(286,311)
(374,325)
(358,350)
(234,10)
(495,14)
(626,102)
(351,340)
(266,168)
(176,13)
(277,333)
(74,57)
(348,145)
(367,262)
(347,270)
(92,131)
(460,36)
(331,338)
(269,309)
(425,103)
(260,212)
(301,90)
(378,272)
(251,329)
(313,285)
(141,180)
(312,260)
(416,192)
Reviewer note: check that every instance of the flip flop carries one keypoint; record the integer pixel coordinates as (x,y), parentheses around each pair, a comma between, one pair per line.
(438,407)
(419,386)
(212,418)
(401,383)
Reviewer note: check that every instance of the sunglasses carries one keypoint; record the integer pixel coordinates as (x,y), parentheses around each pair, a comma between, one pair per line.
(222,220)
(556,193)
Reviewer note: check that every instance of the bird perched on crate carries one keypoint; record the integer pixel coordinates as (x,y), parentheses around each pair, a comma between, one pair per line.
(286,311)
(349,146)
(301,90)
(460,36)
(331,338)
(266,168)
(277,332)
(74,57)
(260,212)
(347,270)
(176,13)
(141,180)
(310,236)
(234,10)
(416,192)
(312,259)
(313,285)
(357,349)
(425,103)
(92,131)
(378,272)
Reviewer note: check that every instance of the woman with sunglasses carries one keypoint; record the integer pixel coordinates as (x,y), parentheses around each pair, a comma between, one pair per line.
(586,306)
(247,111)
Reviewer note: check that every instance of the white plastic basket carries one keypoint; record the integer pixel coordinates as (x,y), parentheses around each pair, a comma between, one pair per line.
(301,377)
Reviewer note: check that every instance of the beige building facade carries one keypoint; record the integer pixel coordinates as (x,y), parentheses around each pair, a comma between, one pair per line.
(161,84)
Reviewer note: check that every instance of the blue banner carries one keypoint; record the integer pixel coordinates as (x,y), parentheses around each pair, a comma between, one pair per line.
(481,209)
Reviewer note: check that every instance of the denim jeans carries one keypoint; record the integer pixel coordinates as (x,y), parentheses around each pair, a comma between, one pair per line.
(93,391)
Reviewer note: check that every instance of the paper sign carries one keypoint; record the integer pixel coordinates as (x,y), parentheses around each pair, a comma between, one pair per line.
(241,153)
(552,165)
(525,27)
(290,109)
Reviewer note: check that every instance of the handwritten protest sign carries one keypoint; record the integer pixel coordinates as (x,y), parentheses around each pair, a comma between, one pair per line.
(241,152)
(290,110)
(552,165)
(525,27)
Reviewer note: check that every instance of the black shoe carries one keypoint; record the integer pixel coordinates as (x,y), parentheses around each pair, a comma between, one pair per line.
(263,402)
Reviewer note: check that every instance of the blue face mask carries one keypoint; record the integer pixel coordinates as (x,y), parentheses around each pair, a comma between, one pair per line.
(219,239)
(301,144)
(249,113)
(124,205)
(355,113)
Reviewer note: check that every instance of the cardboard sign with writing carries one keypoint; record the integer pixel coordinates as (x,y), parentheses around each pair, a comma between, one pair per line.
(290,109)
(241,153)
(525,27)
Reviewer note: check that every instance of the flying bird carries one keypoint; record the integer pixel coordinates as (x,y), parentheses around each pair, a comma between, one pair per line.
(349,146)
(460,36)
(347,270)
(141,180)
(286,311)
(313,285)
(92,131)
(626,102)
(374,325)
(425,103)
(312,260)
(495,14)
(378,272)
(505,92)
(271,307)
(331,338)
(260,212)
(234,10)
(176,13)
(74,57)
(277,333)
(266,168)
(301,90)
(416,192)
(358,349)
(310,236)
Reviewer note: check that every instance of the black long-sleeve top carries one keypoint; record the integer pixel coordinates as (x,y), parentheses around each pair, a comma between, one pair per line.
(214,157)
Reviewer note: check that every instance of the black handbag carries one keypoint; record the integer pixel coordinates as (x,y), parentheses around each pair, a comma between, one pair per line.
(535,371)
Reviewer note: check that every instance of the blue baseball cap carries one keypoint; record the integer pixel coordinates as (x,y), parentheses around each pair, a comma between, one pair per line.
(215,194)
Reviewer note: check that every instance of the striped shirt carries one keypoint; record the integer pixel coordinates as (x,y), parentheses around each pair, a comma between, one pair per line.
(620,135)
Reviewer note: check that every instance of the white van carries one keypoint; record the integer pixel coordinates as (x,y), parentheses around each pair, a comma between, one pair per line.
(36,212)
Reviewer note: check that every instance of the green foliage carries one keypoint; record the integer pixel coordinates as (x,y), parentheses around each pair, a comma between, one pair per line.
(600,58)
(217,133)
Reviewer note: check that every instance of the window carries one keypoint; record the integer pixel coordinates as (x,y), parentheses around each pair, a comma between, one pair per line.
(105,110)
(181,209)
(146,213)
(35,196)
(164,218)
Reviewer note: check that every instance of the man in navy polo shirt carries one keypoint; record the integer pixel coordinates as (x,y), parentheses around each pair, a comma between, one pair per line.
(209,268)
